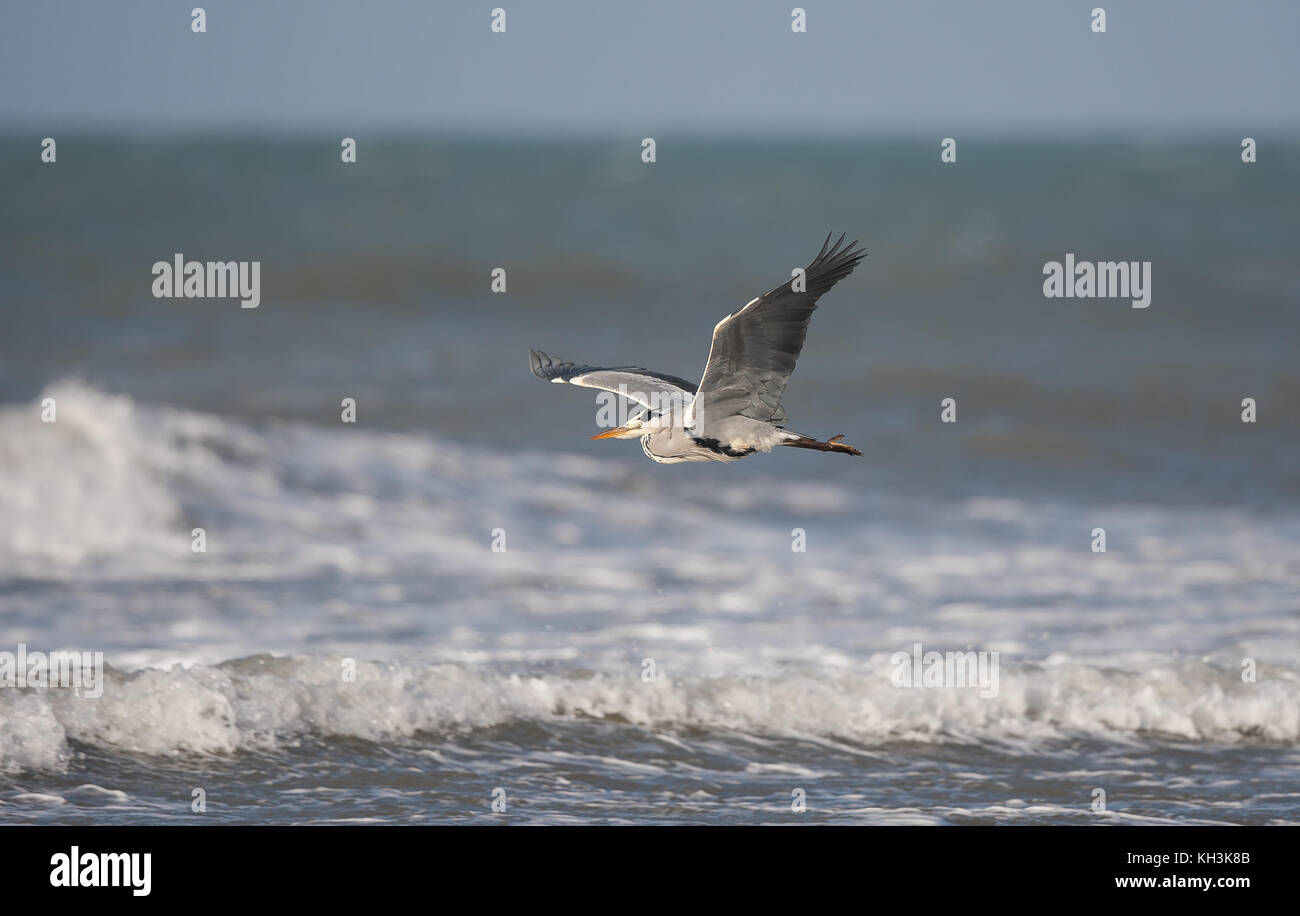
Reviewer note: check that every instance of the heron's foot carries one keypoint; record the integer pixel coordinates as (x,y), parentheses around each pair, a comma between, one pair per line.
(834,441)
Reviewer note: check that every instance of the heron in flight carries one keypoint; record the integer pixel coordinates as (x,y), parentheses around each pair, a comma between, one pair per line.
(736,409)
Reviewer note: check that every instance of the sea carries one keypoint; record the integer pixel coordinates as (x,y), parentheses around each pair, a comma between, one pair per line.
(445,603)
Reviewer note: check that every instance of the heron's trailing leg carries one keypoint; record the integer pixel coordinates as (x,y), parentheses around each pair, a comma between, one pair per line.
(831,445)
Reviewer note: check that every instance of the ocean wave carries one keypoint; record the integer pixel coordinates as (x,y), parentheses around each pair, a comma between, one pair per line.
(114,489)
(262,703)
(83,485)
(379,544)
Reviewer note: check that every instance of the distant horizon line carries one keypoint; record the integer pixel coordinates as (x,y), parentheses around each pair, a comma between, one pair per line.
(1145,134)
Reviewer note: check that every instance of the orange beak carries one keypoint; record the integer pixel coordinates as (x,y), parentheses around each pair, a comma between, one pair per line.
(611,432)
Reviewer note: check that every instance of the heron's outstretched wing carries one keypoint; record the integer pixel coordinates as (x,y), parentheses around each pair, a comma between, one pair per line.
(655,390)
(754,349)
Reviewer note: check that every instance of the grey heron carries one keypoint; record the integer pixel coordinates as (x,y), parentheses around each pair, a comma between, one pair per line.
(735,410)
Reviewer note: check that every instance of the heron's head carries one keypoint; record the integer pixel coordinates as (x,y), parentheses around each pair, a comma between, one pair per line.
(634,429)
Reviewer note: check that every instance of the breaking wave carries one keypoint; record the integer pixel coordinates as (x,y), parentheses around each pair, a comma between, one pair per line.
(262,703)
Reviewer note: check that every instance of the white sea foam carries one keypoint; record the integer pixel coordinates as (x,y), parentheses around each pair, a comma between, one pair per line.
(262,703)
(351,542)
(80,486)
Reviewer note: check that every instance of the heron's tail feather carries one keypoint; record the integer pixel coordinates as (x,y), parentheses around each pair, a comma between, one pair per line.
(833,444)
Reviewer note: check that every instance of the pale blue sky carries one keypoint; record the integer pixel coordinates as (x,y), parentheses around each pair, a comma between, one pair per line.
(567,65)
